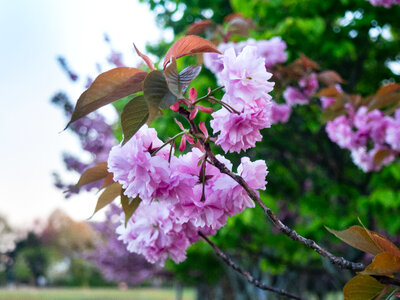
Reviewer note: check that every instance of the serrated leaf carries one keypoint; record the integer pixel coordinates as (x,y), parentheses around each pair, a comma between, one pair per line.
(199,27)
(384,244)
(187,75)
(129,205)
(93,174)
(328,92)
(156,91)
(388,89)
(189,45)
(381,242)
(178,83)
(362,287)
(380,155)
(109,180)
(145,58)
(172,78)
(134,116)
(384,263)
(107,88)
(154,113)
(330,78)
(357,237)
(307,63)
(240,25)
(108,195)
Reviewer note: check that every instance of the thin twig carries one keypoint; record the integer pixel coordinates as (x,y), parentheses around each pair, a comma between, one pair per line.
(208,94)
(246,274)
(291,233)
(387,280)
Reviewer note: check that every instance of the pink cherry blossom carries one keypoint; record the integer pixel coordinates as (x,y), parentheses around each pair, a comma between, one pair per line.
(339,130)
(244,76)
(280,112)
(393,134)
(293,96)
(241,131)
(154,233)
(273,50)
(137,170)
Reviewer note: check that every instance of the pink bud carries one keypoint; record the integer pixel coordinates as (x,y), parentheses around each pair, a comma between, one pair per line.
(193,113)
(190,139)
(182,145)
(207,110)
(175,107)
(192,95)
(203,129)
(179,124)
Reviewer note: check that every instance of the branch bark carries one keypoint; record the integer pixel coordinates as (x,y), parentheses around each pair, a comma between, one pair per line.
(291,233)
(246,274)
(387,280)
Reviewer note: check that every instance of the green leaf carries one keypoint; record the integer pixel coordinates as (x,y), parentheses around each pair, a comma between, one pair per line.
(107,88)
(156,91)
(134,116)
(178,83)
(129,205)
(109,194)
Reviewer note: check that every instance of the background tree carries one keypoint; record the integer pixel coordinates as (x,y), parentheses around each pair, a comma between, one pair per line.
(310,172)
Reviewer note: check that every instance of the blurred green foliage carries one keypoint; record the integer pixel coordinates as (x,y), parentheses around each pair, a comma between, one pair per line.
(312,182)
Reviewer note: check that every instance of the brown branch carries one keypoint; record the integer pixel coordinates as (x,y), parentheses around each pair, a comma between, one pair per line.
(387,280)
(246,274)
(291,233)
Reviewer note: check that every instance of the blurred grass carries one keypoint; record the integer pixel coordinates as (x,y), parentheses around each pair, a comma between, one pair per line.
(93,294)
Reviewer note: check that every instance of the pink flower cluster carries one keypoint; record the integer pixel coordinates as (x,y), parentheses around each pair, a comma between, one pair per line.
(385,3)
(180,197)
(247,102)
(301,96)
(372,137)
(272,50)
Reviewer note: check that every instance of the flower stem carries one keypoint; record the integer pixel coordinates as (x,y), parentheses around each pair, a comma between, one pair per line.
(208,94)
(171,140)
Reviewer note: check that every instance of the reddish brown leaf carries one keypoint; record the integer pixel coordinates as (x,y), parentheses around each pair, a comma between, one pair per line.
(146,59)
(388,89)
(362,287)
(328,92)
(199,27)
(357,237)
(240,25)
(108,87)
(93,174)
(129,205)
(330,78)
(178,83)
(384,244)
(384,263)
(109,194)
(308,63)
(380,155)
(109,180)
(189,45)
(232,16)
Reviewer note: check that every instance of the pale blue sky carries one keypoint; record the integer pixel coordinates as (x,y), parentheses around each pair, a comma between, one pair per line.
(32,34)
